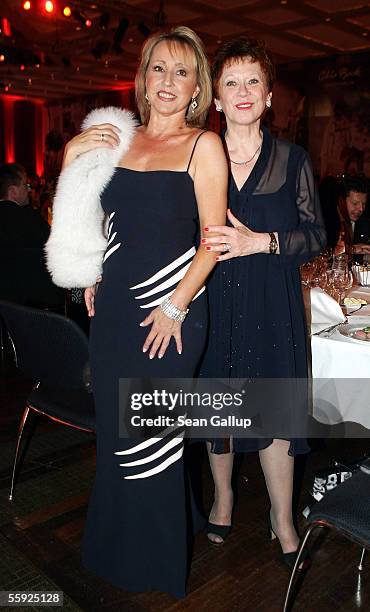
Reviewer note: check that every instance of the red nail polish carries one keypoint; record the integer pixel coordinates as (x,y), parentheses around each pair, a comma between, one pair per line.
(204,240)
(217,258)
(206,229)
(208,248)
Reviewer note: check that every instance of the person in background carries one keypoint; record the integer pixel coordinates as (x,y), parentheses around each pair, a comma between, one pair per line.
(354,233)
(23,234)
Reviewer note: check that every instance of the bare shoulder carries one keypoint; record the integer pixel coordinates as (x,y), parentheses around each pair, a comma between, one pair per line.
(209,149)
(210,154)
(209,139)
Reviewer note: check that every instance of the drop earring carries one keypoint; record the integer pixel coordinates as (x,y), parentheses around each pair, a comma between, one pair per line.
(147,98)
(193,105)
(268,102)
(218,108)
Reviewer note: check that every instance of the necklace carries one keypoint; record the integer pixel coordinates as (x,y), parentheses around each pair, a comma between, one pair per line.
(244,163)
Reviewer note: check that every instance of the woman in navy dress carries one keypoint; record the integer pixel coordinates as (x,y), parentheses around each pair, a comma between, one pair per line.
(257,317)
(172,180)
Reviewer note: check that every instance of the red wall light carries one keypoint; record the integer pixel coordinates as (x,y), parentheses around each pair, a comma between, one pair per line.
(67,12)
(5,27)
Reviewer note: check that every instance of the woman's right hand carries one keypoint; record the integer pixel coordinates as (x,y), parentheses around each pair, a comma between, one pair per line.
(104,135)
(89,295)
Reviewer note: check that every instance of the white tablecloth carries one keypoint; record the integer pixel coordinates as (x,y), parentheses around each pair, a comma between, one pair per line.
(341,373)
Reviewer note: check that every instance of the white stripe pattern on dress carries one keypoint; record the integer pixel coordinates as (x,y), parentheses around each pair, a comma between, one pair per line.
(172,280)
(172,444)
(111,239)
(159,468)
(164,271)
(158,453)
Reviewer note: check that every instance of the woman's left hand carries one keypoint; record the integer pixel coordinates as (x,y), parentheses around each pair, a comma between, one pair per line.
(163,328)
(238,240)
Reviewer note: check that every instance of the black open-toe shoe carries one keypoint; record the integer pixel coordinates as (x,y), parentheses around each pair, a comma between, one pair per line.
(289,558)
(222,531)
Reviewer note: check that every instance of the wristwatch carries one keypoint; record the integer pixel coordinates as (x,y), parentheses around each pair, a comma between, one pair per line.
(273,243)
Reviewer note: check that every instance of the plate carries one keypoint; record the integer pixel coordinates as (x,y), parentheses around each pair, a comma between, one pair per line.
(348,329)
(351,309)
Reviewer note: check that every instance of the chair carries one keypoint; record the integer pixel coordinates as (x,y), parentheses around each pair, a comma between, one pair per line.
(25,279)
(345,509)
(52,351)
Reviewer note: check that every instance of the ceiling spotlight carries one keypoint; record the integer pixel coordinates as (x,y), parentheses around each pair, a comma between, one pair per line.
(27,5)
(49,6)
(87,23)
(67,12)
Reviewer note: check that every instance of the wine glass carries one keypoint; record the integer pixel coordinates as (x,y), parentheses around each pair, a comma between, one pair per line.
(342,281)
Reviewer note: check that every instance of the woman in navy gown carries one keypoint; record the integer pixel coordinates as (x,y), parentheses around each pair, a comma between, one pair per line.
(172,180)
(257,317)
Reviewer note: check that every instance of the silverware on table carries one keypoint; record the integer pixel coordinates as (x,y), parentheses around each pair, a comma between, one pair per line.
(329,331)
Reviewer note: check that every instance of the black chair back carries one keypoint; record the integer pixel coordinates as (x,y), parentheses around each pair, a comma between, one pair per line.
(49,347)
(25,279)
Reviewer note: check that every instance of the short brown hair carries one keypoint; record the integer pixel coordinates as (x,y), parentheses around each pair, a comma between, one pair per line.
(187,39)
(10,174)
(240,48)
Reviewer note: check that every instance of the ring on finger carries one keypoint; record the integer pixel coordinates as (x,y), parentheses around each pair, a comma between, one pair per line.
(102,136)
(227,246)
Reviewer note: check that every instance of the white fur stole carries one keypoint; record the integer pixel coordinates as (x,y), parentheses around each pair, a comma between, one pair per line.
(76,246)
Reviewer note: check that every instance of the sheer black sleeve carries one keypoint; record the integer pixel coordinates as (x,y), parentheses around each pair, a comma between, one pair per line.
(309,237)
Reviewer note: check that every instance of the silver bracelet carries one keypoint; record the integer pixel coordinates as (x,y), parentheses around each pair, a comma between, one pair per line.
(171,311)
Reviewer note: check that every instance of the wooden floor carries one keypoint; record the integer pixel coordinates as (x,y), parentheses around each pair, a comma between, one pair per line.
(40,533)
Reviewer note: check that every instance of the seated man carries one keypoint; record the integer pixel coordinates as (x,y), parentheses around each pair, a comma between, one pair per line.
(354,224)
(23,233)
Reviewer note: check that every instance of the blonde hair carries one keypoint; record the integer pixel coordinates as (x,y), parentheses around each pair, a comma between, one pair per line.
(187,39)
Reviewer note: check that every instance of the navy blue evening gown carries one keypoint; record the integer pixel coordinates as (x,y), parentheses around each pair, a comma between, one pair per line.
(138,527)
(257,323)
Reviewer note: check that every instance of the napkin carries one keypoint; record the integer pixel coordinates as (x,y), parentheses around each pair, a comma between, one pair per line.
(325,311)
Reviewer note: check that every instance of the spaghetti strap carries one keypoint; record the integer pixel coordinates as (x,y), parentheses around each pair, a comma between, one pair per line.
(195,144)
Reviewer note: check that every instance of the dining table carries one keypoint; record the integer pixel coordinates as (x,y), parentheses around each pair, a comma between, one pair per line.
(341,369)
